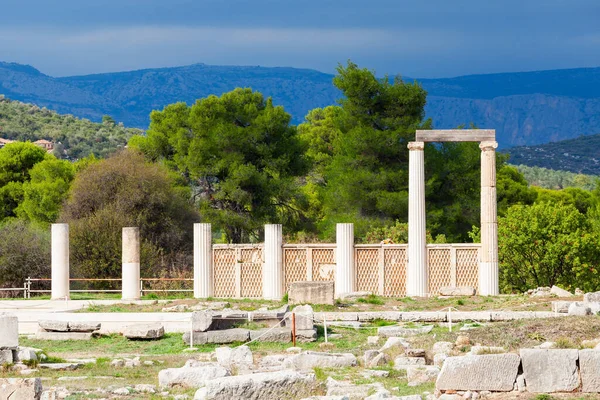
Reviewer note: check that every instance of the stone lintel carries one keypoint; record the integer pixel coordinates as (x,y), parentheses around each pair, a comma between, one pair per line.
(456,135)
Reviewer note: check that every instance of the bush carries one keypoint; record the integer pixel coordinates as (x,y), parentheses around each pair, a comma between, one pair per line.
(122,191)
(547,244)
(24,251)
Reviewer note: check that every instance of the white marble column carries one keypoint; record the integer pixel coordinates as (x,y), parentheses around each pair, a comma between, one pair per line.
(345,276)
(417,284)
(488,267)
(60,261)
(131,264)
(273,266)
(203,261)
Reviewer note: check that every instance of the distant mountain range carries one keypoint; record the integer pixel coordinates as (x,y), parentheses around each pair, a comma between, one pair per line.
(525,108)
(580,155)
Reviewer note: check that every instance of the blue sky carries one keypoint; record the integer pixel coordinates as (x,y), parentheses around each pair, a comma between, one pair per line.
(427,38)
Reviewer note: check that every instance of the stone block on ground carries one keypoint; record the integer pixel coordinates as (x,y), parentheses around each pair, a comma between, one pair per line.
(553,370)
(388,331)
(589,368)
(352,391)
(75,326)
(26,354)
(457,291)
(403,363)
(234,357)
(418,375)
(310,359)
(20,388)
(442,347)
(60,366)
(144,331)
(560,292)
(304,318)
(210,320)
(374,358)
(337,316)
(278,335)
(395,343)
(225,336)
(493,372)
(260,386)
(306,335)
(193,374)
(579,309)
(63,335)
(511,315)
(311,292)
(459,316)
(9,331)
(424,316)
(6,357)
(54,326)
(482,350)
(591,297)
(561,306)
(383,315)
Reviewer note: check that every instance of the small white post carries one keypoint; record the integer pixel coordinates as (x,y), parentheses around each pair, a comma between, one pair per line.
(131,264)
(344,259)
(325,326)
(203,261)
(60,261)
(192,331)
(273,265)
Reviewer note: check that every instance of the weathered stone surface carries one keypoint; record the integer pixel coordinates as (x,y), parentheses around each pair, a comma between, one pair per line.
(75,326)
(6,357)
(442,347)
(424,316)
(20,388)
(560,292)
(459,316)
(493,372)
(310,359)
(337,316)
(260,386)
(439,358)
(311,292)
(54,326)
(374,358)
(457,291)
(511,315)
(202,320)
(192,374)
(352,391)
(395,343)
(208,320)
(326,398)
(304,318)
(553,370)
(388,331)
(353,296)
(61,366)
(591,297)
(234,357)
(579,309)
(384,315)
(273,362)
(9,331)
(280,335)
(402,363)
(589,368)
(418,375)
(63,335)
(26,354)
(372,340)
(561,306)
(306,335)
(145,331)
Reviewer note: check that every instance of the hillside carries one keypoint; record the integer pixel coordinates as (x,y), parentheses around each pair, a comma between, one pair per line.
(525,108)
(77,137)
(580,155)
(554,179)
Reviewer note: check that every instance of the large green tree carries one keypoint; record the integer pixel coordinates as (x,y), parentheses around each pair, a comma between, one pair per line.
(360,149)
(239,153)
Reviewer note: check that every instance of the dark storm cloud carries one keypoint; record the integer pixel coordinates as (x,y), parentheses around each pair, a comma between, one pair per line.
(415,38)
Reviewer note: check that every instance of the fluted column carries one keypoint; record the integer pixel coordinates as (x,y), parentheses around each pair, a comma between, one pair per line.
(273,266)
(488,267)
(203,261)
(131,264)
(60,261)
(417,283)
(345,276)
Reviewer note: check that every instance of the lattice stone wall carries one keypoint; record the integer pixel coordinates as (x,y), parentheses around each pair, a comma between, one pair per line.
(380,268)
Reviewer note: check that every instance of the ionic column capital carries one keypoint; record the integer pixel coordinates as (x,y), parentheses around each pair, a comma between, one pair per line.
(416,146)
(488,146)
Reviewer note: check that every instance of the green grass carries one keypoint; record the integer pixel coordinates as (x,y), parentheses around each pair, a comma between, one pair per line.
(372,299)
